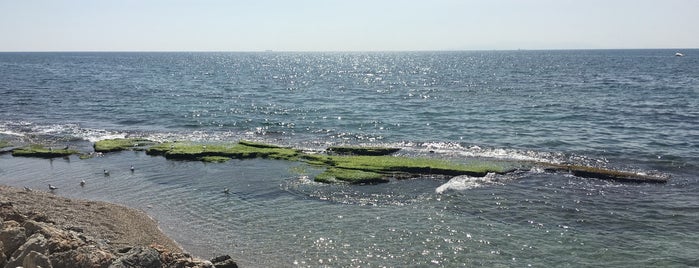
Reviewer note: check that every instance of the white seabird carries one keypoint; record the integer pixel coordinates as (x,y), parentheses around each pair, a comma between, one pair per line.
(82,183)
(51,187)
(132,168)
(226,191)
(106,172)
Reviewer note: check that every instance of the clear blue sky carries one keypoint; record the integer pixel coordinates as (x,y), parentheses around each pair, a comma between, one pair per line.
(347,25)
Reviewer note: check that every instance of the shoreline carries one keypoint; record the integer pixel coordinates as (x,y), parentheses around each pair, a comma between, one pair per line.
(103,226)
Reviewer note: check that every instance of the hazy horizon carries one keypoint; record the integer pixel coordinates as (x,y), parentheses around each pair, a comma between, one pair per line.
(337,26)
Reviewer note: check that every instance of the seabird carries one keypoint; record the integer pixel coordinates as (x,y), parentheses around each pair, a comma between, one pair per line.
(27,189)
(106,172)
(51,187)
(82,183)
(226,191)
(132,168)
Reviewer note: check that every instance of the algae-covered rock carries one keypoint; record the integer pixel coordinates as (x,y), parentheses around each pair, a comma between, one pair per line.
(5,147)
(37,150)
(259,144)
(113,145)
(606,174)
(359,150)
(240,150)
(414,165)
(376,169)
(352,176)
(215,159)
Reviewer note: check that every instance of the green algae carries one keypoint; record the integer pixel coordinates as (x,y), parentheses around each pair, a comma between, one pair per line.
(387,164)
(4,144)
(360,150)
(357,165)
(37,150)
(215,159)
(331,175)
(377,169)
(342,168)
(113,145)
(240,150)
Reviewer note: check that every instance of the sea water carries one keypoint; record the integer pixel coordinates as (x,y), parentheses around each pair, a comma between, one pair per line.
(632,110)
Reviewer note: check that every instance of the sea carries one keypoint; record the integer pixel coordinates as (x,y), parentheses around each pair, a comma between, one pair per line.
(627,110)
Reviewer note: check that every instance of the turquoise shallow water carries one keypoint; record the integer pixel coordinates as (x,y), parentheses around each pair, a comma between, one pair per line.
(622,109)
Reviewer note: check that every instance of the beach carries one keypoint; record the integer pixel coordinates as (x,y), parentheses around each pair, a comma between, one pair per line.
(108,229)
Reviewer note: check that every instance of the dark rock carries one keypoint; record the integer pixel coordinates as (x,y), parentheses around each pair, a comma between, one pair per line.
(358,150)
(39,217)
(8,212)
(224,261)
(32,252)
(124,250)
(36,260)
(76,229)
(139,257)
(83,257)
(12,237)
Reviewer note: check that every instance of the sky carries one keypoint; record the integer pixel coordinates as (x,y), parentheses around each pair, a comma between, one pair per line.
(345,25)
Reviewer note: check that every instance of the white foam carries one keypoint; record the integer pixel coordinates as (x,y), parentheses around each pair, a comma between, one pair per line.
(461,183)
(456,149)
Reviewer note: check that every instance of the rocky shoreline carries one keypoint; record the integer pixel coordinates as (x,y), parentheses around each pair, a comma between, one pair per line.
(39,229)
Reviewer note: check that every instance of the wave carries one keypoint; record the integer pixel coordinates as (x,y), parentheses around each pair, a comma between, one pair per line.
(461,183)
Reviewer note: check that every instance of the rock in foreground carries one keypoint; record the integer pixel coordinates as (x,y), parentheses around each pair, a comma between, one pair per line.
(30,239)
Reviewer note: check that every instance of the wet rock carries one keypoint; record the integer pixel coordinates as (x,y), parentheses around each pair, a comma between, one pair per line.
(224,261)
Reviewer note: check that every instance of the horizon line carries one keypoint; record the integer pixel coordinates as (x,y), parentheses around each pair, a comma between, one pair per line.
(327,51)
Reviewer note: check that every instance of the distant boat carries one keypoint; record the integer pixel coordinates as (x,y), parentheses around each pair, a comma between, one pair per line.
(679,54)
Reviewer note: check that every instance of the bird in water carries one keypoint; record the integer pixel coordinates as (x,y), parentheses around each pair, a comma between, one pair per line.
(132,168)
(106,172)
(226,191)
(51,187)
(82,183)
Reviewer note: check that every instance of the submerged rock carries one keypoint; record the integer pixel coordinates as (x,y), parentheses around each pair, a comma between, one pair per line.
(37,150)
(113,145)
(359,150)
